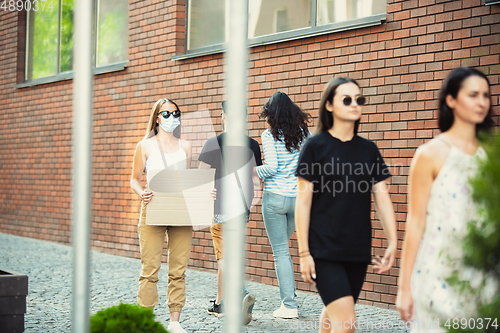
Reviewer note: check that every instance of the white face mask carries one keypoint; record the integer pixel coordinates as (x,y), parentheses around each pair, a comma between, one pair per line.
(170,124)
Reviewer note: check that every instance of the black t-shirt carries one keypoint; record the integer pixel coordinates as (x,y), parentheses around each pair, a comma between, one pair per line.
(212,154)
(343,174)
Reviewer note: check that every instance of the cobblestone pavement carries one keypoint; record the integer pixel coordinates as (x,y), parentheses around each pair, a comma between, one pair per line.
(114,279)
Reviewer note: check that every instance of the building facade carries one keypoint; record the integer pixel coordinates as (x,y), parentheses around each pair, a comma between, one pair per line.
(398,50)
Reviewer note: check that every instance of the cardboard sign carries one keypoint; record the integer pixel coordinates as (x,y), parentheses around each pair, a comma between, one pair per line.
(181,198)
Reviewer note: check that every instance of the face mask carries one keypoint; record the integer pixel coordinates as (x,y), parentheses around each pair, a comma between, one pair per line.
(170,124)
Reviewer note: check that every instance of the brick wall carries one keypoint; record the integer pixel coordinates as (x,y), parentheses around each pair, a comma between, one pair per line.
(400,66)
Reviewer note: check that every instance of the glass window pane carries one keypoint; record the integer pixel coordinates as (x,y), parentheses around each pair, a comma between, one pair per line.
(267,17)
(43,33)
(331,11)
(206,23)
(112,31)
(66,53)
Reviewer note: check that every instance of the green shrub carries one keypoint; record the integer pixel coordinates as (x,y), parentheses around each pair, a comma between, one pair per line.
(125,318)
(482,243)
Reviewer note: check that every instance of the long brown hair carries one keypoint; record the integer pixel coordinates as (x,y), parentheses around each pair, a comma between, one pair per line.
(152,128)
(325,121)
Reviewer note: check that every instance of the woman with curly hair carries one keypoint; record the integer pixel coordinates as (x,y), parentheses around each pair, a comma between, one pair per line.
(281,143)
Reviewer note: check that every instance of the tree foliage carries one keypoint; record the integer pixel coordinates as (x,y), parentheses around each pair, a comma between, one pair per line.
(482,243)
(125,318)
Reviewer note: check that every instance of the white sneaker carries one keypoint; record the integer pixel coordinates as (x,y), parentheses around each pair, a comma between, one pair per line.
(285,313)
(175,327)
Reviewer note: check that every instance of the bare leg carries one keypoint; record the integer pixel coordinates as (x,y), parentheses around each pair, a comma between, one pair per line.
(338,316)
(219,281)
(175,316)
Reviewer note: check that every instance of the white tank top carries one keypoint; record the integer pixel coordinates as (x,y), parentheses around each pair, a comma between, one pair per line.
(174,161)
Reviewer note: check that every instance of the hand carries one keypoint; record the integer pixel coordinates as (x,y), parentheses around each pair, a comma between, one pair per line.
(146,196)
(213,192)
(384,264)
(404,304)
(308,269)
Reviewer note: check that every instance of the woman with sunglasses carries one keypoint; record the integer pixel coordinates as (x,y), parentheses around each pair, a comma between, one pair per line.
(337,171)
(160,149)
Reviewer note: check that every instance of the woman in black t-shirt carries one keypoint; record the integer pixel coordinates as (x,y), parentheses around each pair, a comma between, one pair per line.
(337,172)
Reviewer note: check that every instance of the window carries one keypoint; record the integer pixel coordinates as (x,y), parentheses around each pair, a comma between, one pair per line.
(267,17)
(206,23)
(331,11)
(278,20)
(492,2)
(49,36)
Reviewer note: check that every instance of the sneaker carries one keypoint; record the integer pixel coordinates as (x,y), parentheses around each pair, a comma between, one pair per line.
(175,327)
(285,313)
(248,303)
(216,309)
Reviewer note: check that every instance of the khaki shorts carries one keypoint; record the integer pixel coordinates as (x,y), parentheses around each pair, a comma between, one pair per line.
(216,231)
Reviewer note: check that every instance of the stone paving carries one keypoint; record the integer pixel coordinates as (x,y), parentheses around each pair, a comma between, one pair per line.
(114,279)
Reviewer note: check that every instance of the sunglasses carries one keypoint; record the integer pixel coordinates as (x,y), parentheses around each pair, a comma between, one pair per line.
(166,114)
(359,100)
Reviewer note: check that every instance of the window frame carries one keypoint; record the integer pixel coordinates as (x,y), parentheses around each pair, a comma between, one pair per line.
(67,75)
(279,37)
(491,2)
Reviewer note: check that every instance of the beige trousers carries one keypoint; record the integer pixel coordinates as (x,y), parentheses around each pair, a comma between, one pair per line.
(151,239)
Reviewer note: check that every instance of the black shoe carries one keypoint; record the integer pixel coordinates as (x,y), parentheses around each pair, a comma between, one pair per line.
(216,309)
(248,303)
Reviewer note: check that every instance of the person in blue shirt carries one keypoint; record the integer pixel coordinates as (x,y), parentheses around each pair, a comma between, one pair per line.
(281,143)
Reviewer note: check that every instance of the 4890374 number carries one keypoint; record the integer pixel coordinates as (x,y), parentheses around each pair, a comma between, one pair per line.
(464,323)
(27,5)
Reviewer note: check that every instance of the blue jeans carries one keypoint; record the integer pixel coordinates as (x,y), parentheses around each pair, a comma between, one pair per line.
(278,212)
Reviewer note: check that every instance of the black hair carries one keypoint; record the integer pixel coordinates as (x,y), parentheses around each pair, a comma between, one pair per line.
(287,120)
(325,121)
(451,86)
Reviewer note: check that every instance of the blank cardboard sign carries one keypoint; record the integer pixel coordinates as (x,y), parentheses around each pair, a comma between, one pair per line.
(181,197)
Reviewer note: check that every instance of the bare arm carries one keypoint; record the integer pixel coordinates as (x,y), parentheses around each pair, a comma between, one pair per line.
(303,204)
(420,183)
(137,170)
(186,146)
(386,215)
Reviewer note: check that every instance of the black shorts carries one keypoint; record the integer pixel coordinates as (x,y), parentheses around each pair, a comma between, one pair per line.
(336,279)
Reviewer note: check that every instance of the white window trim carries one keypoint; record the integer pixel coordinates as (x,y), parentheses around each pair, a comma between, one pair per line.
(285,36)
(69,75)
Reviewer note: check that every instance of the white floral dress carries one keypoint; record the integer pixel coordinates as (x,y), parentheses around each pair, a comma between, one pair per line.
(449,210)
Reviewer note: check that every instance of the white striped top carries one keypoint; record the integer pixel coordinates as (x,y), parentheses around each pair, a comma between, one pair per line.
(279,168)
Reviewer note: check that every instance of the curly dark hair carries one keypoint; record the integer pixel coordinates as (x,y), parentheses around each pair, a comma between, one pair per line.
(287,120)
(451,86)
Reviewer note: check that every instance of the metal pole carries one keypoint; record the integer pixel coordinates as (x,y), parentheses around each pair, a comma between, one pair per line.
(82,135)
(236,92)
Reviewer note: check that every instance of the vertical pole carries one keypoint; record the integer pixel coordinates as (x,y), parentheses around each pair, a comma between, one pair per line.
(82,135)
(236,94)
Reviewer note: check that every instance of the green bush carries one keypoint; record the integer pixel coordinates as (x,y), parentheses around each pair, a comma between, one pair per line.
(482,243)
(125,318)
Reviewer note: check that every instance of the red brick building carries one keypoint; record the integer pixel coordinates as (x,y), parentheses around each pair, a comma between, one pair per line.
(399,53)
